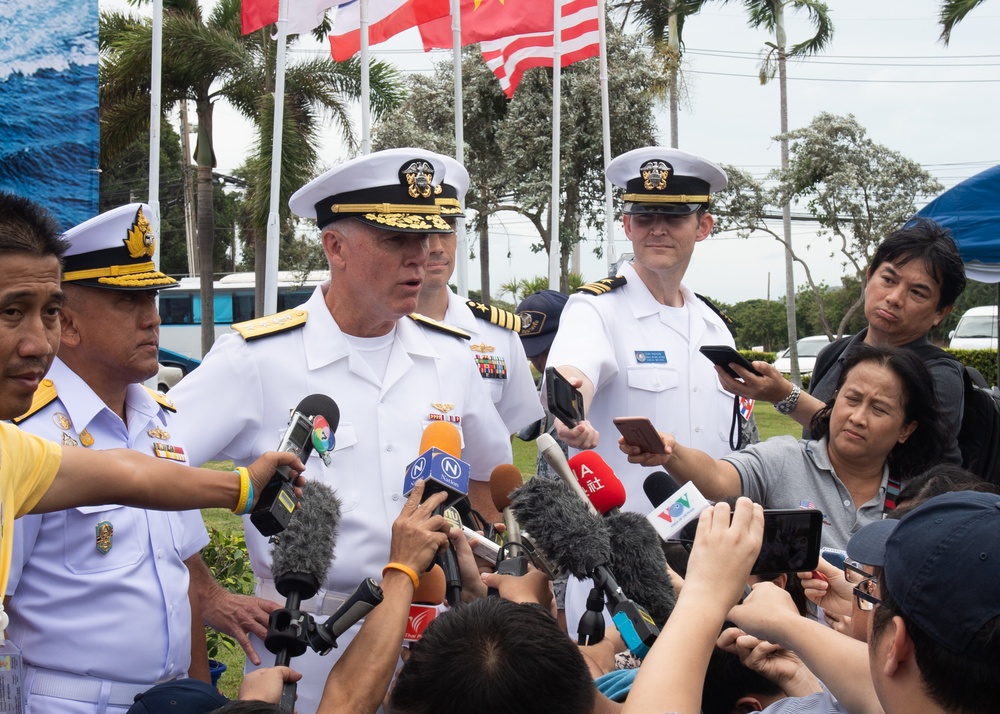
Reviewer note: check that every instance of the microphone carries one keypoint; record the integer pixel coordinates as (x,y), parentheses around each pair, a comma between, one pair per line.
(300,561)
(556,460)
(638,561)
(363,600)
(312,425)
(578,542)
(439,464)
(603,488)
(504,479)
(426,598)
(658,487)
(681,508)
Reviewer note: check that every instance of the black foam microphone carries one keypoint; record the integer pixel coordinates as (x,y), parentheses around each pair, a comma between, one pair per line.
(638,561)
(578,542)
(658,487)
(311,426)
(300,561)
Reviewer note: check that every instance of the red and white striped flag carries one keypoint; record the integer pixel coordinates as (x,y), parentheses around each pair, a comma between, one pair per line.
(580,39)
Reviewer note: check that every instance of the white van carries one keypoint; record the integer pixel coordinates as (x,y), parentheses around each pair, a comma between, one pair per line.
(977,330)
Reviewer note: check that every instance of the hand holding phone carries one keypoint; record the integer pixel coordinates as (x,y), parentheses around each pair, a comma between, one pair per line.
(564,400)
(639,431)
(724,355)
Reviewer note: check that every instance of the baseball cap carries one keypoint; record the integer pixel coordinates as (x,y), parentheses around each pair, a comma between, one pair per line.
(941,564)
(187,696)
(539,313)
(659,180)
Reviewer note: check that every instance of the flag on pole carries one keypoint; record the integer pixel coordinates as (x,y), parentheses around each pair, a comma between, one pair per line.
(580,39)
(385,17)
(303,15)
(484,20)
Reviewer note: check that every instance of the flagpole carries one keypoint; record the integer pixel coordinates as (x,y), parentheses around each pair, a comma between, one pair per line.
(609,206)
(555,245)
(155,90)
(273,225)
(366,101)
(461,237)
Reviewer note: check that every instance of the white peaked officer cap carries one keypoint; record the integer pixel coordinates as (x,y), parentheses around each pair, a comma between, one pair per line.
(659,180)
(453,188)
(114,251)
(395,190)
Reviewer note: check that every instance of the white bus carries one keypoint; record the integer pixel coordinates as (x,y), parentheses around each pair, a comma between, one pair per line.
(180,307)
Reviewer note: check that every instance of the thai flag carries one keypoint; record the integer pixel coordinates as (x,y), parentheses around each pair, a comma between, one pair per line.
(746,407)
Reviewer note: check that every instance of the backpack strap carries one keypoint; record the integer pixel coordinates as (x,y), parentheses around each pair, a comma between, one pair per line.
(892,488)
(826,359)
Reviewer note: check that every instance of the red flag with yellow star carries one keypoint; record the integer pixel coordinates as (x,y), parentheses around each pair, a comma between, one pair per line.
(484,20)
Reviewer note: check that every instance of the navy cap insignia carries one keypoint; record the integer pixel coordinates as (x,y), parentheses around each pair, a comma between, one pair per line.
(105,535)
(140,240)
(654,174)
(419,178)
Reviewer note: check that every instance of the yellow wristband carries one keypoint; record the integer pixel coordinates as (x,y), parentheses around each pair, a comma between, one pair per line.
(245,490)
(403,569)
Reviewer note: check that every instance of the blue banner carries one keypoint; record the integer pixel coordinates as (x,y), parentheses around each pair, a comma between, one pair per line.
(49,132)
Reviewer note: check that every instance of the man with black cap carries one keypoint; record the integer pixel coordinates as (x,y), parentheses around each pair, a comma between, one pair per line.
(630,342)
(495,343)
(108,565)
(357,339)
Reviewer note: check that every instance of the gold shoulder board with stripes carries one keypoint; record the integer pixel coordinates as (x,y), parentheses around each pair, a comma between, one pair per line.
(272,324)
(498,316)
(602,286)
(162,399)
(44,395)
(439,326)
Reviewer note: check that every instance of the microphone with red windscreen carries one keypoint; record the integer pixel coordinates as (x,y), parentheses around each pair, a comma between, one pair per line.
(424,607)
(604,490)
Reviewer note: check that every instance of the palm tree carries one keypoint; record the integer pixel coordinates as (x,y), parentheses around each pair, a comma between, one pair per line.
(205,60)
(952,13)
(664,24)
(771,15)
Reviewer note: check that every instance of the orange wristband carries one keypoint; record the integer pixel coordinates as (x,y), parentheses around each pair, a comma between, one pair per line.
(403,569)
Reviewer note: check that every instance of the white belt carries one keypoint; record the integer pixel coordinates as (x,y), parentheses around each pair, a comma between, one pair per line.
(325,602)
(81,688)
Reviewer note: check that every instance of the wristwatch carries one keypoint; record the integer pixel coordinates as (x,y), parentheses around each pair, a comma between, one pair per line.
(787,405)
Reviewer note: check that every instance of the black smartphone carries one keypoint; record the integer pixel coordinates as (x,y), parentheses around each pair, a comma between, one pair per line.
(723,355)
(565,400)
(639,431)
(791,541)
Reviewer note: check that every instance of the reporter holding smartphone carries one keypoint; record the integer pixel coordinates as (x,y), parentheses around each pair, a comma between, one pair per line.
(881,428)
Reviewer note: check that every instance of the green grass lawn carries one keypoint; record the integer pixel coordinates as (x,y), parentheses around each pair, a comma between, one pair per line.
(770,423)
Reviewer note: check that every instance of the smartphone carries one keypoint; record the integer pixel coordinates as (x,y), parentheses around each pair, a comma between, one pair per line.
(723,355)
(791,541)
(565,400)
(639,431)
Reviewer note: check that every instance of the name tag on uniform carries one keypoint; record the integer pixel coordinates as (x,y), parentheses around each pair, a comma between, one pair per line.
(650,356)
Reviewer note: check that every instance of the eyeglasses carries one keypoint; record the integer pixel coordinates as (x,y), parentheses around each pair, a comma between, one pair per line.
(866,593)
(854,572)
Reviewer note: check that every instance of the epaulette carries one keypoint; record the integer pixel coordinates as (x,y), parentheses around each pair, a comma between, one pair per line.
(272,324)
(44,395)
(162,399)
(711,306)
(498,316)
(602,286)
(439,326)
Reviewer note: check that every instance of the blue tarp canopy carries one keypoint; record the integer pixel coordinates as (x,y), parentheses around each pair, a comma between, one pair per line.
(971,210)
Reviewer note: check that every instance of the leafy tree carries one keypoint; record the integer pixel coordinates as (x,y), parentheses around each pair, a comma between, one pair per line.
(952,13)
(858,190)
(206,59)
(759,322)
(520,288)
(770,14)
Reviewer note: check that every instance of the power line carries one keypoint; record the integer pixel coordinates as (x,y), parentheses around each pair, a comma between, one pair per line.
(858,81)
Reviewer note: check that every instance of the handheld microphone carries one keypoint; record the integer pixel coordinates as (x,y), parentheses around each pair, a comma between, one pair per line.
(556,460)
(681,508)
(426,598)
(578,542)
(439,464)
(603,488)
(299,563)
(311,426)
(638,561)
(504,479)
(658,487)
(363,600)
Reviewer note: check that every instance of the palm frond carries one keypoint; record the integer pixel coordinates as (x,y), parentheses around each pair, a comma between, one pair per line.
(952,13)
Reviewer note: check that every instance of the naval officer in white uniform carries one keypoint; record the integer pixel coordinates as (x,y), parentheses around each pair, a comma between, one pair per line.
(391,373)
